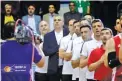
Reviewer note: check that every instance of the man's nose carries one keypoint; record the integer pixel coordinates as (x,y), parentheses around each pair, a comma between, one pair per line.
(96,28)
(56,21)
(83,34)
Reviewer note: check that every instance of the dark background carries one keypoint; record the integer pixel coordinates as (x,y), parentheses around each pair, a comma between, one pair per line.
(106,10)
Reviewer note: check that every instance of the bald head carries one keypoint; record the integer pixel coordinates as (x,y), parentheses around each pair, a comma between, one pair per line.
(43,27)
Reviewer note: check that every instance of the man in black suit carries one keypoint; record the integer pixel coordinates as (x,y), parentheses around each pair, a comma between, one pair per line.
(72,14)
(51,47)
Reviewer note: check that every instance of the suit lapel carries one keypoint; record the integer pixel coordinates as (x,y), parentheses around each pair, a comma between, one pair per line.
(64,33)
(35,19)
(26,19)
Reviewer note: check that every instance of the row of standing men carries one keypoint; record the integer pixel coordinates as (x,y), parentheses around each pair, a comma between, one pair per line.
(71,56)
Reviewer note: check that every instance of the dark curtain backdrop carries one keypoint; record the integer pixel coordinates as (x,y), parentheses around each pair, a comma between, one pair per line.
(106,11)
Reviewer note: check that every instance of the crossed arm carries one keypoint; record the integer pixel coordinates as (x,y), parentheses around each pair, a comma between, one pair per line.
(64,55)
(110,47)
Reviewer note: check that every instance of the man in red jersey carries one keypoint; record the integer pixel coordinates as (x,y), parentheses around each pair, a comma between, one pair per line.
(96,58)
(112,56)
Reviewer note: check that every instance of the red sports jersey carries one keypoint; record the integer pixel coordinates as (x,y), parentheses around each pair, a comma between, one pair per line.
(117,41)
(102,72)
(118,74)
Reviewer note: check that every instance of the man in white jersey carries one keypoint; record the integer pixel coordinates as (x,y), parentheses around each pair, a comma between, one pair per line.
(97,25)
(77,49)
(75,62)
(77,25)
(67,68)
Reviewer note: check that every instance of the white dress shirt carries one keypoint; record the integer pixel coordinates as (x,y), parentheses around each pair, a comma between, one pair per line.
(32,24)
(87,48)
(59,36)
(65,44)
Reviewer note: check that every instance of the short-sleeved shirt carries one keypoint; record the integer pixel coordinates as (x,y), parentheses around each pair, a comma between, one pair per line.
(16,61)
(87,48)
(77,49)
(66,45)
(95,55)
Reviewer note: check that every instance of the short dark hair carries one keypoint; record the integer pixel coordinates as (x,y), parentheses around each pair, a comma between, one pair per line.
(9,29)
(32,5)
(71,19)
(97,20)
(107,29)
(85,26)
(72,2)
(51,4)
(76,22)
